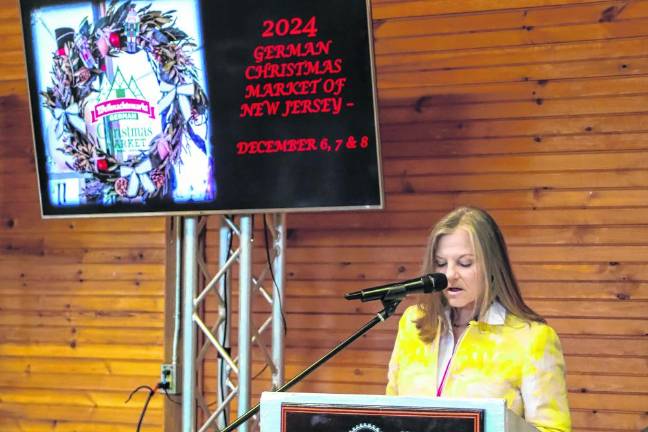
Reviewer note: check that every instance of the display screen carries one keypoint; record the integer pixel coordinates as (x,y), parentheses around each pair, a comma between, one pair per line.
(197,106)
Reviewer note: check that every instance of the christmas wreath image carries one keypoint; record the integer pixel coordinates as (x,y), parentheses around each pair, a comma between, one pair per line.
(79,75)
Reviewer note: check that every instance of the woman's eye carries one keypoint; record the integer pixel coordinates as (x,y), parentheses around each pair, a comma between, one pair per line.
(439,264)
(466,264)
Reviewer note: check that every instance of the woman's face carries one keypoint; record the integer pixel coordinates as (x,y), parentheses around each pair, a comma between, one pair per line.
(455,256)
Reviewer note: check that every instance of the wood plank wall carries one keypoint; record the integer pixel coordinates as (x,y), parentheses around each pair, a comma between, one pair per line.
(81,301)
(535,110)
(532,109)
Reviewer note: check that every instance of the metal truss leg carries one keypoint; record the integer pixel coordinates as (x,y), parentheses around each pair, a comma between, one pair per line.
(189,284)
(245,319)
(278,329)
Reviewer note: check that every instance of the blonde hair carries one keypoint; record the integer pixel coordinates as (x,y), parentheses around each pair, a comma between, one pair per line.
(491,253)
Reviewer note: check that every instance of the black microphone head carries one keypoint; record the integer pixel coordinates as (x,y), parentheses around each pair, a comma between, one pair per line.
(435,282)
(353,295)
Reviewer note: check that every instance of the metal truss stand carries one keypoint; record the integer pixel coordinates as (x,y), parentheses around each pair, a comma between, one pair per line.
(233,379)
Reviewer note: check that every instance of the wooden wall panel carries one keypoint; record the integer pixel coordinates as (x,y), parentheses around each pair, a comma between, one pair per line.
(535,111)
(81,301)
(532,109)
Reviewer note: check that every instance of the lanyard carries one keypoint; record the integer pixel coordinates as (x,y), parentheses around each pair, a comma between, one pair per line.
(447,368)
(445,374)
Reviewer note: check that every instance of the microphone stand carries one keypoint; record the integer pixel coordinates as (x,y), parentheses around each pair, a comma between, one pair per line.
(389,308)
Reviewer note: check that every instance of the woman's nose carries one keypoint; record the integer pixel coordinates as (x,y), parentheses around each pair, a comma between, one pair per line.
(451,272)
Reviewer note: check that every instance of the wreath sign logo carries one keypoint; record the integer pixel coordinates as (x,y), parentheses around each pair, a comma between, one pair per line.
(79,78)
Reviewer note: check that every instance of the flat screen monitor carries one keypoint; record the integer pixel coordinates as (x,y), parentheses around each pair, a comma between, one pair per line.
(202,106)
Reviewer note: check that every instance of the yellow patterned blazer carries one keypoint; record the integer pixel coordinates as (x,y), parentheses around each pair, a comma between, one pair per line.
(508,358)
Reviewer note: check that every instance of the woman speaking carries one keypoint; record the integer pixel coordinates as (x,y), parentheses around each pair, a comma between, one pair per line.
(477,338)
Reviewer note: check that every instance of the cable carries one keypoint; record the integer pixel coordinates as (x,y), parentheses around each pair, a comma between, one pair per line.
(221,381)
(274,280)
(168,396)
(265,366)
(148,399)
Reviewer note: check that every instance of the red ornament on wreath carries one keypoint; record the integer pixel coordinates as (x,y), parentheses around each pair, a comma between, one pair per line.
(102,165)
(114,39)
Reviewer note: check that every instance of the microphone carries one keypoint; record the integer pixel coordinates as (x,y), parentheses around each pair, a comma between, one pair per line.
(427,284)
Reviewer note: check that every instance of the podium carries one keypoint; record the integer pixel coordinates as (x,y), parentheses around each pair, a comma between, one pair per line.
(320,412)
